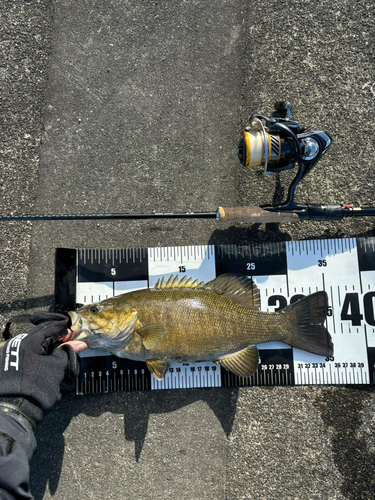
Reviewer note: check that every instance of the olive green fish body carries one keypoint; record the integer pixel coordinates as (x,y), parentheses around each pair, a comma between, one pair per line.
(201,325)
(187,321)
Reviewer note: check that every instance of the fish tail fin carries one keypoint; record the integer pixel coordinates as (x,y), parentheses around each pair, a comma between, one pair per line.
(309,333)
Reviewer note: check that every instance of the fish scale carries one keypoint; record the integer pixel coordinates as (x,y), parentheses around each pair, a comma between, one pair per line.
(283,271)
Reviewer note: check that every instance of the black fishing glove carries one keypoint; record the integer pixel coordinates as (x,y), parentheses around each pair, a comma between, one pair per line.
(32,367)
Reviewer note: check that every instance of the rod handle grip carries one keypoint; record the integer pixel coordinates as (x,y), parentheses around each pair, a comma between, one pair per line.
(254,215)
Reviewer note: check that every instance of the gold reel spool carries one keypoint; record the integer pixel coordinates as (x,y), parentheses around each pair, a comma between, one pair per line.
(258,147)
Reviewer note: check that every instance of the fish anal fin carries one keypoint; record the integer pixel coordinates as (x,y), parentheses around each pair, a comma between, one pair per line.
(240,288)
(157,367)
(243,363)
(151,335)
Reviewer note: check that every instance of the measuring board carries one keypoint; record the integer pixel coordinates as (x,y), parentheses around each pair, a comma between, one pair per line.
(284,272)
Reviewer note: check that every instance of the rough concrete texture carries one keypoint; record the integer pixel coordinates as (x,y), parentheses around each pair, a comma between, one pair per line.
(25,45)
(142,104)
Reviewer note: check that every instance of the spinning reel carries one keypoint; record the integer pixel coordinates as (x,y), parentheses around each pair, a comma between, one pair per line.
(278,143)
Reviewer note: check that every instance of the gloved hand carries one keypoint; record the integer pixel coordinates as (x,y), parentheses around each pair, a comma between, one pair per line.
(32,367)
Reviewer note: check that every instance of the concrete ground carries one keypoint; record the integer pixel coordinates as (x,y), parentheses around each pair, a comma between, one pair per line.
(135,106)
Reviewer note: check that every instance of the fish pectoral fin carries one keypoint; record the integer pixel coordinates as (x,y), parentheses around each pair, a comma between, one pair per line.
(151,335)
(157,367)
(243,363)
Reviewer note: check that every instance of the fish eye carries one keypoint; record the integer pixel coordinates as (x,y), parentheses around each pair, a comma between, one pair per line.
(94,309)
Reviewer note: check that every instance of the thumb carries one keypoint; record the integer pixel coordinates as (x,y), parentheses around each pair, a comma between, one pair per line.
(77,345)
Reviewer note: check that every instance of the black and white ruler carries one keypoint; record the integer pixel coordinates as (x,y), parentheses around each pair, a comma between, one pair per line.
(284,272)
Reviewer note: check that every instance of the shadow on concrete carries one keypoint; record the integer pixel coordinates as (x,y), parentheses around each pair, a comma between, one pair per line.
(136,408)
(351,453)
(32,303)
(237,235)
(23,305)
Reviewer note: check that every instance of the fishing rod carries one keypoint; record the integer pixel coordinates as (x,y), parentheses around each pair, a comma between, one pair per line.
(276,144)
(238,214)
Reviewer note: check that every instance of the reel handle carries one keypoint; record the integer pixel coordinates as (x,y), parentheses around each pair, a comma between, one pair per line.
(284,107)
(254,215)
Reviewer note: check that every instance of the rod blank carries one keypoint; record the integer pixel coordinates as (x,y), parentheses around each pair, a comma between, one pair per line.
(250,215)
(192,215)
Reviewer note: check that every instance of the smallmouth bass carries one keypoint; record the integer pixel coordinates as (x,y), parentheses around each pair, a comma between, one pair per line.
(187,321)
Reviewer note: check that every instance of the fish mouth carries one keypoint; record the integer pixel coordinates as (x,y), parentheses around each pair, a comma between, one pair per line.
(73,318)
(77,329)
(94,339)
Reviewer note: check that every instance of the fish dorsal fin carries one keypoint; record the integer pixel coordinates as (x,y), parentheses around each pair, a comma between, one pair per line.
(174,282)
(241,288)
(151,335)
(243,363)
(157,367)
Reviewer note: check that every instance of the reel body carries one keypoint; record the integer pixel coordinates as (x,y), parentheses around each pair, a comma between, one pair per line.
(278,144)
